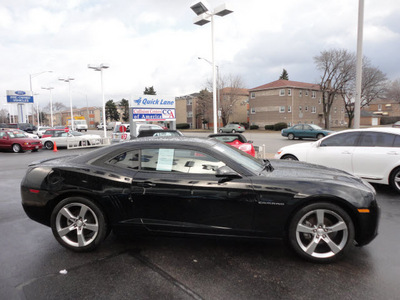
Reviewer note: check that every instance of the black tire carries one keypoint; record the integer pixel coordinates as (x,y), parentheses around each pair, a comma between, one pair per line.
(290,136)
(320,136)
(289,157)
(220,131)
(233,131)
(49,145)
(321,232)
(76,214)
(394,179)
(16,148)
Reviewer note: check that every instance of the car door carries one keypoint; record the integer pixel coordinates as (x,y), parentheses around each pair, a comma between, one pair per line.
(176,189)
(5,142)
(297,130)
(335,151)
(376,155)
(308,132)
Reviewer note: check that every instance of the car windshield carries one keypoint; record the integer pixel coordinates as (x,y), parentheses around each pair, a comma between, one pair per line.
(315,127)
(75,133)
(245,160)
(17,134)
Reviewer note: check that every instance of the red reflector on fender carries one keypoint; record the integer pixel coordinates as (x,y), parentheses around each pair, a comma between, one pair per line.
(34,191)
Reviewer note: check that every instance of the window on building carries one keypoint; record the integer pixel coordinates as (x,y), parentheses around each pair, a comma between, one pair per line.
(320,101)
(335,109)
(289,92)
(306,108)
(313,109)
(252,110)
(289,109)
(300,93)
(189,114)
(313,94)
(379,107)
(300,108)
(281,109)
(306,92)
(189,102)
(282,92)
(252,95)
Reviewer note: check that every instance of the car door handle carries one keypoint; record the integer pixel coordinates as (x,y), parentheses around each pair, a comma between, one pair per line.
(393,153)
(146,184)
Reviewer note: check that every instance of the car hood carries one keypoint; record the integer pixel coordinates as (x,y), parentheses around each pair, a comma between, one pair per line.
(301,171)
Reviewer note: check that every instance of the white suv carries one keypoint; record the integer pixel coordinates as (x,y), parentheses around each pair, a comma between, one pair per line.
(119,136)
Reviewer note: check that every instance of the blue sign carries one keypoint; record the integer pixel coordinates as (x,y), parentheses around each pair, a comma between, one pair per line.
(19,97)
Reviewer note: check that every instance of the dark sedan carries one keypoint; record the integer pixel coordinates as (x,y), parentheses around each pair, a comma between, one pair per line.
(193,186)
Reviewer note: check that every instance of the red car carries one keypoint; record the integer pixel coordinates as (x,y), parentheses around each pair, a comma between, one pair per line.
(236,140)
(54,132)
(18,141)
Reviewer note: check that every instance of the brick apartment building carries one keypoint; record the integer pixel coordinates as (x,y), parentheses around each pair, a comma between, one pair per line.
(291,102)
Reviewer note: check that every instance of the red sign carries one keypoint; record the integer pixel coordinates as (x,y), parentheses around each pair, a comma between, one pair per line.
(122,128)
(66,129)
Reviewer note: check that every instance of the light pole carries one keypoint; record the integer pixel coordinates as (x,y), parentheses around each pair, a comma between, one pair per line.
(357,103)
(218,95)
(30,84)
(100,68)
(204,16)
(51,103)
(69,79)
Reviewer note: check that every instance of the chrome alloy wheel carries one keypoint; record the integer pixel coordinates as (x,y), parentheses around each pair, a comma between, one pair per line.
(77,224)
(322,233)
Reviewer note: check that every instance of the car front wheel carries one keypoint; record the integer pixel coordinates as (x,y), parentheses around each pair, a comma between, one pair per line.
(48,145)
(290,136)
(289,157)
(220,131)
(16,148)
(321,232)
(78,224)
(319,136)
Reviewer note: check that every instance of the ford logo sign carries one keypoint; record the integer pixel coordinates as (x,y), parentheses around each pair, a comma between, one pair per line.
(20,93)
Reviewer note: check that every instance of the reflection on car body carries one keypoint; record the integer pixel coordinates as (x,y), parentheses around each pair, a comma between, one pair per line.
(193,186)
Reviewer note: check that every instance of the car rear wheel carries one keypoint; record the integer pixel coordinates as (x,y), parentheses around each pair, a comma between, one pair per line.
(16,148)
(78,224)
(289,157)
(394,179)
(321,232)
(320,136)
(233,131)
(48,145)
(220,131)
(290,136)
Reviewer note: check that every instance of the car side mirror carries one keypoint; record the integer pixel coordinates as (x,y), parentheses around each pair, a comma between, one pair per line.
(250,142)
(227,172)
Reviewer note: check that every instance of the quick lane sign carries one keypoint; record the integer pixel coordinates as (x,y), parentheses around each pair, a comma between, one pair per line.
(19,97)
(153,108)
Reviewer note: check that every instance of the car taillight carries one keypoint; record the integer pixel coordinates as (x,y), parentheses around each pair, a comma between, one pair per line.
(245,147)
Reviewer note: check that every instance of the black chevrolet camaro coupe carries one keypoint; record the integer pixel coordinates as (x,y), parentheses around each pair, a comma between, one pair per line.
(193,186)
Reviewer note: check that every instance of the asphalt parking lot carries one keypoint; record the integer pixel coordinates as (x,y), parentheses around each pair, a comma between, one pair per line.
(183,268)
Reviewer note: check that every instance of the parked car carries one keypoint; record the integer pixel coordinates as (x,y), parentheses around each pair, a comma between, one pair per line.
(372,153)
(397,124)
(236,140)
(54,132)
(232,128)
(63,138)
(27,127)
(193,186)
(100,126)
(40,130)
(302,131)
(18,141)
(159,132)
(123,136)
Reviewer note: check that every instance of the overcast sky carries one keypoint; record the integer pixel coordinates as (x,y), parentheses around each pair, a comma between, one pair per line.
(155,43)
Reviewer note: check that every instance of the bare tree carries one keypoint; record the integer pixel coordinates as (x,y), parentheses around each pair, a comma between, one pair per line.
(3,115)
(204,105)
(373,87)
(57,106)
(230,91)
(393,90)
(338,69)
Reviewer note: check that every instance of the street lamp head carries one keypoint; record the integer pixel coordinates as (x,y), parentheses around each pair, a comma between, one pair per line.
(104,66)
(47,88)
(222,10)
(200,7)
(98,67)
(67,79)
(201,19)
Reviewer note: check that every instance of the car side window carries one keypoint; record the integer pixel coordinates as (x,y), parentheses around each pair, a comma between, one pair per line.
(376,139)
(127,160)
(347,139)
(298,127)
(179,160)
(396,142)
